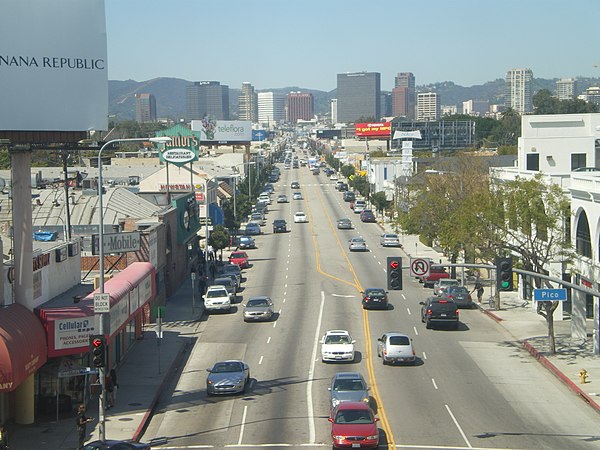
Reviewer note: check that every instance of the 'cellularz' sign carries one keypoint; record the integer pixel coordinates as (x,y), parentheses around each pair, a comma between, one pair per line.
(73,333)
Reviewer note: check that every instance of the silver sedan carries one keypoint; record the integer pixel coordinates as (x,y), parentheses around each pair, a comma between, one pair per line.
(357,244)
(228,377)
(389,240)
(258,308)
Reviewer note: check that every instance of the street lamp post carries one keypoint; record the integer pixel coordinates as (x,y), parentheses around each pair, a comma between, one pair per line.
(100,317)
(207,233)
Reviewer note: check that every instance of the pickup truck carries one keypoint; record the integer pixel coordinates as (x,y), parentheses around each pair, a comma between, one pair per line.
(435,273)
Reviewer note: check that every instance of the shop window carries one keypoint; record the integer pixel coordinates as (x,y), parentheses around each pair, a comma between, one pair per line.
(578,160)
(583,243)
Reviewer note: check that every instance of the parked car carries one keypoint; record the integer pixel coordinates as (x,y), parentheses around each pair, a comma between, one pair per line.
(316,171)
(389,240)
(344,224)
(228,377)
(229,284)
(439,311)
(334,177)
(111,444)
(396,348)
(337,345)
(240,258)
(246,242)
(359,206)
(252,229)
(257,217)
(367,216)
(343,187)
(349,196)
(348,387)
(354,425)
(442,284)
(460,295)
(217,298)
(375,298)
(258,308)
(279,226)
(435,273)
(300,217)
(357,244)
(338,184)
(233,269)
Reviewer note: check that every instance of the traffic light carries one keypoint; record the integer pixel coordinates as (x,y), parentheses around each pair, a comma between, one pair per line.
(504,274)
(394,273)
(98,349)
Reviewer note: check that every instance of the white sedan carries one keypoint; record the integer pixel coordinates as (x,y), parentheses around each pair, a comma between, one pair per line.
(300,217)
(337,345)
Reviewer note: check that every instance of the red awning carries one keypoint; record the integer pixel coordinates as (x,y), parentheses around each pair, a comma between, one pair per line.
(22,346)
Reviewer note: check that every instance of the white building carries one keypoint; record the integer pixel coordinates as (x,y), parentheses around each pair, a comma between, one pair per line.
(271,108)
(518,90)
(477,108)
(334,116)
(566,88)
(428,106)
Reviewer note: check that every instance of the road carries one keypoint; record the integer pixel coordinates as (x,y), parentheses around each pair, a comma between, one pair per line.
(471,388)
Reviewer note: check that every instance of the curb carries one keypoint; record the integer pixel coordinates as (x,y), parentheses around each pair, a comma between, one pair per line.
(168,375)
(488,313)
(561,376)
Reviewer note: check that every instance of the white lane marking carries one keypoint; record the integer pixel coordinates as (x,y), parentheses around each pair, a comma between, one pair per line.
(284,300)
(459,428)
(424,355)
(311,371)
(408,311)
(379,262)
(260,360)
(286,275)
(285,286)
(416,331)
(269,340)
(434,385)
(403,296)
(343,296)
(243,424)
(284,293)
(279,312)
(274,324)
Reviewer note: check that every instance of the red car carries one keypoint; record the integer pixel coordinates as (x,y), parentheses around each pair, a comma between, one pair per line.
(239,258)
(353,425)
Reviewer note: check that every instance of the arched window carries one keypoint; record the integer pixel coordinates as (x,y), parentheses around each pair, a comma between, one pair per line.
(583,242)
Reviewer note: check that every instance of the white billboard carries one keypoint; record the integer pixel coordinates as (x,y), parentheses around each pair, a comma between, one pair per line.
(223,131)
(53,66)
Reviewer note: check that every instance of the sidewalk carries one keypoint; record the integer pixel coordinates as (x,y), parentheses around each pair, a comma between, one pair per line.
(142,376)
(528,328)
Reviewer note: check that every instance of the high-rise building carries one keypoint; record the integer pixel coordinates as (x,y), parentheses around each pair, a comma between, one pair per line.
(476,107)
(299,106)
(207,98)
(271,108)
(145,108)
(358,96)
(592,95)
(518,90)
(386,104)
(566,88)
(334,115)
(248,103)
(404,95)
(428,106)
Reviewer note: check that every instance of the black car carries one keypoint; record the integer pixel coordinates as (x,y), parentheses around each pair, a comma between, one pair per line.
(439,311)
(295,185)
(368,216)
(349,196)
(343,187)
(459,295)
(110,444)
(279,226)
(375,298)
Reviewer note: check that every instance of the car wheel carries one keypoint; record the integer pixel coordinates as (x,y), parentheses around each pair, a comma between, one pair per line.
(427,325)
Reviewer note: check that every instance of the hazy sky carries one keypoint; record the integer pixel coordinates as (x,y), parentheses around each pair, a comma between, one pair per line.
(280,43)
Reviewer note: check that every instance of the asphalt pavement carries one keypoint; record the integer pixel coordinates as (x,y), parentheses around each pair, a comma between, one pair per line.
(147,367)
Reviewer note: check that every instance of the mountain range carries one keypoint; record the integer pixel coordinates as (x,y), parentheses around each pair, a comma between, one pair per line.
(170,94)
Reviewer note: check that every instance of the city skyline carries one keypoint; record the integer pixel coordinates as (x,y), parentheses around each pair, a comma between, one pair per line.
(462,42)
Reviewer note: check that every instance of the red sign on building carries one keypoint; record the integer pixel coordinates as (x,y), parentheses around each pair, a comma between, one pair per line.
(383,129)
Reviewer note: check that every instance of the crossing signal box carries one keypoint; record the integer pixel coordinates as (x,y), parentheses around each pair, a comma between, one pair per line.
(394,273)
(504,274)
(98,350)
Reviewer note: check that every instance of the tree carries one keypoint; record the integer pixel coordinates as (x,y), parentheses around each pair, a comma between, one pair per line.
(545,103)
(359,183)
(347,170)
(379,201)
(507,130)
(219,238)
(532,217)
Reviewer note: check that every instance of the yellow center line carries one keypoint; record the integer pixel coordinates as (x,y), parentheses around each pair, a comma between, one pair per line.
(365,315)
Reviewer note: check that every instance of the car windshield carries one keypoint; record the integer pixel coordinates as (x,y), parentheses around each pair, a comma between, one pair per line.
(337,339)
(399,340)
(349,385)
(214,293)
(257,302)
(391,236)
(227,367)
(354,416)
(357,240)
(457,290)
(239,255)
(376,293)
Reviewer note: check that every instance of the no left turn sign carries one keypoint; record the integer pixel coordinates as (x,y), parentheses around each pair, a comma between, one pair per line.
(419,267)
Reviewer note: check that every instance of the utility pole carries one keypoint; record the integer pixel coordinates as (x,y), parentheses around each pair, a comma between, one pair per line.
(65,156)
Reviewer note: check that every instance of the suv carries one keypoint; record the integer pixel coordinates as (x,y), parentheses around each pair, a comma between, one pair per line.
(439,311)
(217,298)
(279,226)
(435,273)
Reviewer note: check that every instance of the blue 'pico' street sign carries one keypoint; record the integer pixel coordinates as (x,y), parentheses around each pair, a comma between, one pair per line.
(549,295)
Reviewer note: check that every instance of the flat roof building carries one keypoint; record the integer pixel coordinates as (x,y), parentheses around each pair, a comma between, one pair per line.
(358,96)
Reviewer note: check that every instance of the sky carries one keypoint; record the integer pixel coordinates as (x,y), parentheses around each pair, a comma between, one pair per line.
(284,43)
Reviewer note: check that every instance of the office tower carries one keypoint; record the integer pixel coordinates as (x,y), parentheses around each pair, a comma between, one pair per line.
(300,106)
(566,88)
(518,90)
(428,106)
(358,96)
(271,108)
(207,98)
(404,95)
(145,108)
(477,108)
(248,103)
(386,104)
(334,115)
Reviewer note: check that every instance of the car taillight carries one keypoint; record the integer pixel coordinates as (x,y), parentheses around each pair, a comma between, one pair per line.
(366,299)
(443,301)
(457,312)
(429,312)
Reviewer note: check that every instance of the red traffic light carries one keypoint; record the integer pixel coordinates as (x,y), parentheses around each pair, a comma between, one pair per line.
(97,342)
(394,264)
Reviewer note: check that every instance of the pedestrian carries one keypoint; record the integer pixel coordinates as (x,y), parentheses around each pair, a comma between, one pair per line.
(3,438)
(202,284)
(113,378)
(212,270)
(82,421)
(110,390)
(211,253)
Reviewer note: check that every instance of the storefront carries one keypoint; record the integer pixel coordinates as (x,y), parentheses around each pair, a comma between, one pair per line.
(63,381)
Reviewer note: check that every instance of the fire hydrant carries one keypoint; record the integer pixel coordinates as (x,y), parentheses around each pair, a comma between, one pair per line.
(583,375)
